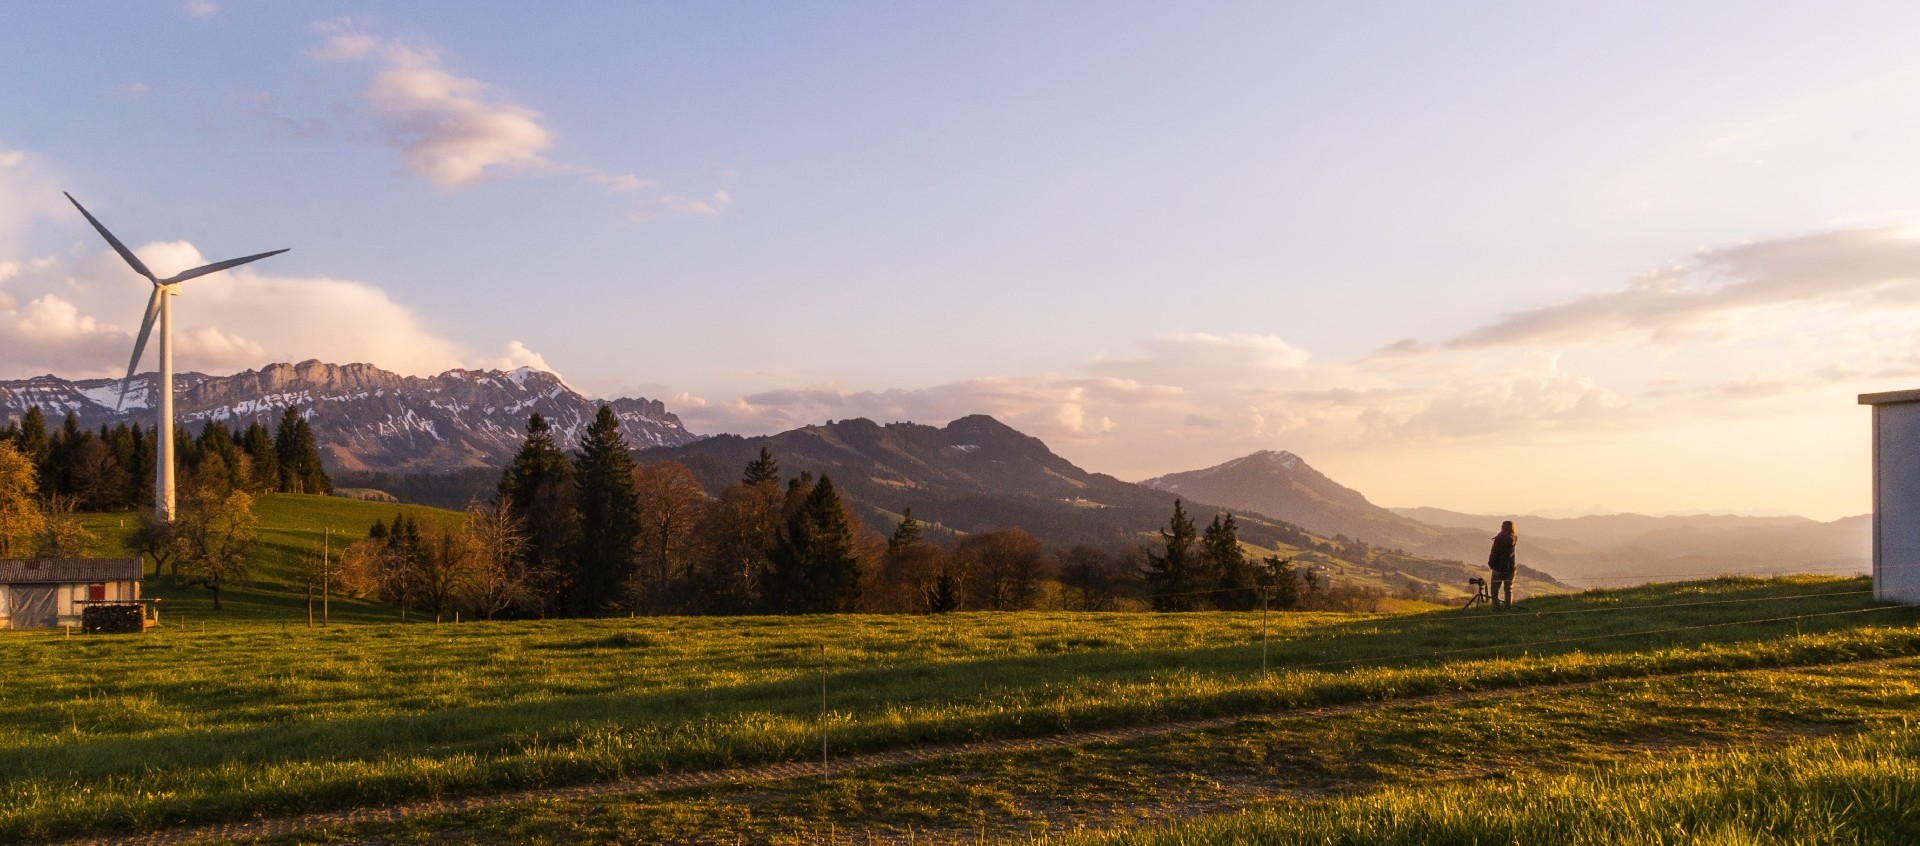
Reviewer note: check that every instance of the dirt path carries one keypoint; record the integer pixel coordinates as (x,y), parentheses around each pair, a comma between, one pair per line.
(280,826)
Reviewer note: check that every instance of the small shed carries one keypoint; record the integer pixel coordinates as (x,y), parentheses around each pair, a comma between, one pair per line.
(44,593)
(1896,495)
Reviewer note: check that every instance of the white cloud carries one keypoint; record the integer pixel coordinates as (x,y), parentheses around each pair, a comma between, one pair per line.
(134,89)
(79,316)
(452,130)
(458,131)
(201,8)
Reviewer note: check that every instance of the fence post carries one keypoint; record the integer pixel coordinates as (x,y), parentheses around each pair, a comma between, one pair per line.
(823,711)
(1263,632)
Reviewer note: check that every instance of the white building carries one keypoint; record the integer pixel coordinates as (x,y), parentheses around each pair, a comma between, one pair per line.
(1896,495)
(42,593)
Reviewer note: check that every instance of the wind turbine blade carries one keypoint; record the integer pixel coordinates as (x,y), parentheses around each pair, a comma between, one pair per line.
(217,266)
(117,246)
(140,343)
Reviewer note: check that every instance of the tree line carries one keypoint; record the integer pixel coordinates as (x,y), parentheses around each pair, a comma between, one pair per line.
(594,533)
(113,469)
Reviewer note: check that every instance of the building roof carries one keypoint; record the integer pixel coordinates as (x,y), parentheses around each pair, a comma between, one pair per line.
(29,570)
(1889,397)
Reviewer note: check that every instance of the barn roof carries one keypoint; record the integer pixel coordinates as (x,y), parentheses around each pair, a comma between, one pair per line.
(19,570)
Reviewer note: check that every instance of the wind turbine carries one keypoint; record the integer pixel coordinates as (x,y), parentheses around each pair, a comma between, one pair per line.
(159,305)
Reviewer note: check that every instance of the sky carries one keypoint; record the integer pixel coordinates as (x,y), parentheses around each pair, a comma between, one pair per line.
(1495,257)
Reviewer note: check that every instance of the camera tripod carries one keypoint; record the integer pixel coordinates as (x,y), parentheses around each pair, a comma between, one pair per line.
(1480,596)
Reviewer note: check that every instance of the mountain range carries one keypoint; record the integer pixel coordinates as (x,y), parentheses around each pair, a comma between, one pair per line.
(363,418)
(976,474)
(1588,551)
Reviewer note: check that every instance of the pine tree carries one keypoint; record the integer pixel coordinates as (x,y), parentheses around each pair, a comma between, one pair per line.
(1229,575)
(607,504)
(906,534)
(815,569)
(1281,582)
(298,456)
(761,471)
(538,490)
(1173,577)
(34,445)
(257,442)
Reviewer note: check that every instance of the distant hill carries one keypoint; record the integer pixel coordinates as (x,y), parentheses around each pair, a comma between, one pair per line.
(1281,485)
(364,418)
(1624,549)
(1587,551)
(978,474)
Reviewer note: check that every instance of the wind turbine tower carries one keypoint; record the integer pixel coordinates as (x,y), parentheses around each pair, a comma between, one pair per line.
(159,306)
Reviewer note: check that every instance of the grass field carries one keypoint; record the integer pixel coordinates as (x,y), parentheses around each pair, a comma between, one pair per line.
(293,528)
(229,718)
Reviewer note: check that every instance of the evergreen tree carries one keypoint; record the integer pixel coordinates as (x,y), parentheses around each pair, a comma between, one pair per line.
(258,444)
(298,456)
(538,490)
(607,503)
(62,451)
(814,566)
(1229,575)
(34,445)
(906,534)
(216,440)
(761,471)
(1174,577)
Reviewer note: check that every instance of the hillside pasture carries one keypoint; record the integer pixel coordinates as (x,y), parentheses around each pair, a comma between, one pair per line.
(188,724)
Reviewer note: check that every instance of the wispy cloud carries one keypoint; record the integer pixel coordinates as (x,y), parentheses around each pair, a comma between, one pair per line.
(201,8)
(1723,293)
(457,131)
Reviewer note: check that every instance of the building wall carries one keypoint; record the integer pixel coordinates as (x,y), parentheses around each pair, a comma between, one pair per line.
(66,598)
(1896,502)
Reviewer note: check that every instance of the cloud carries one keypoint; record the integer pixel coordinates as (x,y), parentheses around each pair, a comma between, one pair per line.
(201,8)
(458,131)
(134,89)
(452,130)
(76,318)
(1724,293)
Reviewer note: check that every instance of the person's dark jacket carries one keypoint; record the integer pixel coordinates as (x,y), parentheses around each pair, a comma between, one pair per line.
(1501,559)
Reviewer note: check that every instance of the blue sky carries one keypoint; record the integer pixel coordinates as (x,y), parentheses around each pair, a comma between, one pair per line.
(1494,257)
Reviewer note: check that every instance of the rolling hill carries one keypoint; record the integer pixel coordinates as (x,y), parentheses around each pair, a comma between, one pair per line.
(978,474)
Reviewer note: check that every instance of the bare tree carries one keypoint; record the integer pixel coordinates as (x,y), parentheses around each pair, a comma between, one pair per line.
(1004,568)
(62,536)
(669,505)
(499,580)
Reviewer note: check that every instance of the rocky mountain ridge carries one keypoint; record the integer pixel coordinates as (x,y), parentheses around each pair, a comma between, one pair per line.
(365,418)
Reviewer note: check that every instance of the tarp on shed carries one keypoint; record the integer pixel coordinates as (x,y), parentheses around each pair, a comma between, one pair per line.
(33,606)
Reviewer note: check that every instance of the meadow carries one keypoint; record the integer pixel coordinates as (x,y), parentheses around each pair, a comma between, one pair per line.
(208,719)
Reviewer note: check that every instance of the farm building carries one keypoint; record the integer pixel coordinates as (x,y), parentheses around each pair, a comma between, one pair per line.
(41,593)
(1896,495)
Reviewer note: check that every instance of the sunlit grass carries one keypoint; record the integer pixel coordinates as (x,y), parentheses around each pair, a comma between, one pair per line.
(184,724)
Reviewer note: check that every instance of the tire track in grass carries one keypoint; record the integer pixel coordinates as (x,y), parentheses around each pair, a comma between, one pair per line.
(282,826)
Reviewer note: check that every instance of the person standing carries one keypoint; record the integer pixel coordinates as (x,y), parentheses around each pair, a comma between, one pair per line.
(1503,564)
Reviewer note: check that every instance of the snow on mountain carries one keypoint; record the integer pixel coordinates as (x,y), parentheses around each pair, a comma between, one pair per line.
(365,418)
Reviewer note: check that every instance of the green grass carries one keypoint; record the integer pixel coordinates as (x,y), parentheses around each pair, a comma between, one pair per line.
(1861,788)
(123,733)
(292,530)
